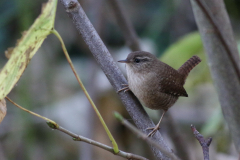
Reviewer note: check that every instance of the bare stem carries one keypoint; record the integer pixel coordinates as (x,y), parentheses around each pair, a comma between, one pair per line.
(95,143)
(33,113)
(76,137)
(205,143)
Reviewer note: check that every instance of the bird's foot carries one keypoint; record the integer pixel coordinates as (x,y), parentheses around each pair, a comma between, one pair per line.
(154,130)
(125,89)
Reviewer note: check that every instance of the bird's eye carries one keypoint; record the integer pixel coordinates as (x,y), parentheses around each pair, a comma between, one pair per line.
(136,60)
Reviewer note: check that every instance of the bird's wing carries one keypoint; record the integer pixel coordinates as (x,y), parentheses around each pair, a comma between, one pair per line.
(173,89)
(172,84)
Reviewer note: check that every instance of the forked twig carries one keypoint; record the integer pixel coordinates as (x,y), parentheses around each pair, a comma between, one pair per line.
(205,143)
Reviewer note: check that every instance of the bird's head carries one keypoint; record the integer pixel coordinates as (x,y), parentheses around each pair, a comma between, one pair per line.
(140,61)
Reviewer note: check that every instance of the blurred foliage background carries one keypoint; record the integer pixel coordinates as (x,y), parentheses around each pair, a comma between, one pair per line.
(165,28)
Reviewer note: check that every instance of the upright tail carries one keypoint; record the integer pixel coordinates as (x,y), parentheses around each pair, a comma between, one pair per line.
(188,66)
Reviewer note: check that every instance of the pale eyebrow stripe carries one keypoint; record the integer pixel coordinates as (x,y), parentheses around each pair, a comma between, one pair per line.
(143,57)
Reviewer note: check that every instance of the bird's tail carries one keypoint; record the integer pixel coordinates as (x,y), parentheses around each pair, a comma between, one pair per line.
(188,66)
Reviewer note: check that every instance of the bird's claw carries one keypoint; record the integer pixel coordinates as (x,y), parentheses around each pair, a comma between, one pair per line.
(154,130)
(125,89)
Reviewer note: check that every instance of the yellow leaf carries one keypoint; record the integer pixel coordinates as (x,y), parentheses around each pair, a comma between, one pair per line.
(3,109)
(26,47)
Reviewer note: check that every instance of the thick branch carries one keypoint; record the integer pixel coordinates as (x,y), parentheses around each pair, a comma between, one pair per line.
(123,22)
(220,33)
(205,143)
(111,70)
(95,143)
(222,68)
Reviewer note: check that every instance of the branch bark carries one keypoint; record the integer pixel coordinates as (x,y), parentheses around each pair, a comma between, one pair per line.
(111,70)
(219,52)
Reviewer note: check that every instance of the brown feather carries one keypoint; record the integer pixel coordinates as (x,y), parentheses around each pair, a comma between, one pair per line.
(188,66)
(156,84)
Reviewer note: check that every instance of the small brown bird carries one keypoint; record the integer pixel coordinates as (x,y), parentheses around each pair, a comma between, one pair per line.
(154,83)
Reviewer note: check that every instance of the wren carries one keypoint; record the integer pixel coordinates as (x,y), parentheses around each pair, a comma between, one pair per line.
(156,84)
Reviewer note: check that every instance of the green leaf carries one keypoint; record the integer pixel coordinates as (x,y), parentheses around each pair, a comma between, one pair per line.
(183,49)
(26,47)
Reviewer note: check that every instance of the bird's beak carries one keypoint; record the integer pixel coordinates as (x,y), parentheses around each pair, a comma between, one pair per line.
(123,61)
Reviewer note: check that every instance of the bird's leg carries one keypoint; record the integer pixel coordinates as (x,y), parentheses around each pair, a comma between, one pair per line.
(154,129)
(125,89)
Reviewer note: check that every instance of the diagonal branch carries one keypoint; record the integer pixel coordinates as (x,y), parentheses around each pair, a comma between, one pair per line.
(111,70)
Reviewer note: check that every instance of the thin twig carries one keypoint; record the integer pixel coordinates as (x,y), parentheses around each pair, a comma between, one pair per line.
(113,73)
(26,110)
(95,143)
(218,30)
(144,136)
(205,143)
(76,137)
(125,25)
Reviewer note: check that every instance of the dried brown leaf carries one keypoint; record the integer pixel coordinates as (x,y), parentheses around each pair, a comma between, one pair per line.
(3,109)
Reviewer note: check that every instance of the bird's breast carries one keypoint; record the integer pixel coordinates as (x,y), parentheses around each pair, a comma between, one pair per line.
(138,82)
(146,88)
